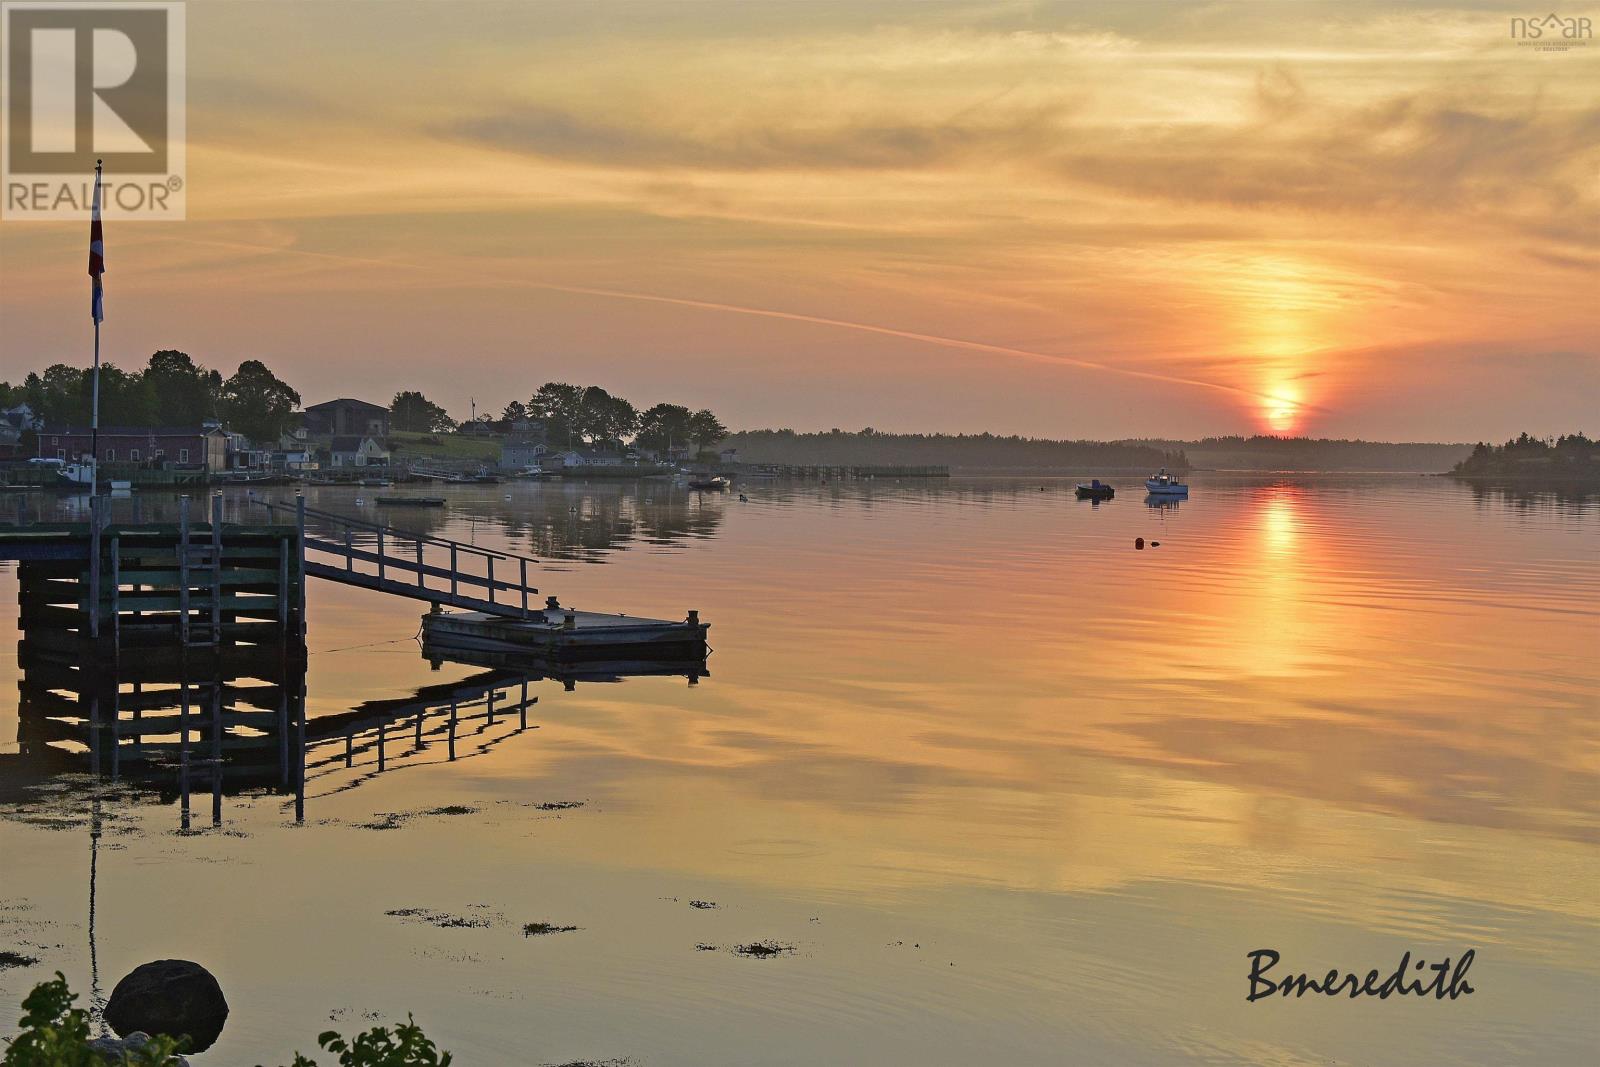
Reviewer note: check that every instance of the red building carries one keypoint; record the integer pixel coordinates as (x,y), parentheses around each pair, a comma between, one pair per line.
(150,446)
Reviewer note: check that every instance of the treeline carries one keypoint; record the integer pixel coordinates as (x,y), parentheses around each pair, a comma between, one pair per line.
(577,415)
(171,390)
(955,450)
(1269,453)
(1569,457)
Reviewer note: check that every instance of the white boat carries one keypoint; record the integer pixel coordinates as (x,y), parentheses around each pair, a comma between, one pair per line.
(1164,484)
(83,474)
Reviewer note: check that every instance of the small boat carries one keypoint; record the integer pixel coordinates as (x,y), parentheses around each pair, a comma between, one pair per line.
(410,501)
(715,484)
(1164,484)
(376,483)
(84,474)
(1095,490)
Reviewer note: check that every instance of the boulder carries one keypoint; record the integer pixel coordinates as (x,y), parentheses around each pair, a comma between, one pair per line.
(173,997)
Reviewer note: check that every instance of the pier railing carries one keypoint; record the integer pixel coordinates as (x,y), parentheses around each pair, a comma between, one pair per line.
(415,565)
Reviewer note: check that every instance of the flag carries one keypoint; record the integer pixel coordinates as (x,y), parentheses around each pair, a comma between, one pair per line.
(97,255)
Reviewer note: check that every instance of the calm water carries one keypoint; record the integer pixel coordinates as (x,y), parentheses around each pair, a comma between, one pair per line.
(1015,792)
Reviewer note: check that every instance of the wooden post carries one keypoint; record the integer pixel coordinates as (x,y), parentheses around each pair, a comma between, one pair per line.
(349,550)
(380,553)
(300,583)
(491,579)
(183,568)
(116,594)
(453,571)
(489,706)
(452,729)
(216,746)
(216,568)
(381,727)
(283,592)
(94,564)
(419,563)
(524,563)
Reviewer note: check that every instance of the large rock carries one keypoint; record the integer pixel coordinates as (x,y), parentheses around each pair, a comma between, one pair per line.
(173,997)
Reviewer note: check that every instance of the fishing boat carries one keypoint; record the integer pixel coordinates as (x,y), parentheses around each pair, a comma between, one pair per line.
(1095,490)
(716,483)
(1164,484)
(84,474)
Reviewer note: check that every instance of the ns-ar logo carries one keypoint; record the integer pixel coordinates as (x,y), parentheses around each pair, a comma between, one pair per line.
(1552,28)
(85,82)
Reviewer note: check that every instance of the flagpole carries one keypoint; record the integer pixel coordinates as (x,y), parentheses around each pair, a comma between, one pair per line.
(94,412)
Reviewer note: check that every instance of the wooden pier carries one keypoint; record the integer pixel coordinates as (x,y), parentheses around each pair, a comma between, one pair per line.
(211,583)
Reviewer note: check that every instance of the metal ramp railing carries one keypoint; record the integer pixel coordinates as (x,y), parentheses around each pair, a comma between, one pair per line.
(344,542)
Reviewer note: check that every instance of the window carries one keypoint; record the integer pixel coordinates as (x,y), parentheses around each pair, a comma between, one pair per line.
(111,455)
(133,454)
(61,453)
(183,455)
(159,453)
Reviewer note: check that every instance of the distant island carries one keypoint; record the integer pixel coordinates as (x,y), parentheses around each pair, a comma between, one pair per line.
(1569,459)
(991,451)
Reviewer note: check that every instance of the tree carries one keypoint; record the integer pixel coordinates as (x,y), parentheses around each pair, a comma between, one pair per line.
(257,403)
(705,430)
(414,412)
(181,392)
(560,406)
(514,412)
(664,425)
(605,418)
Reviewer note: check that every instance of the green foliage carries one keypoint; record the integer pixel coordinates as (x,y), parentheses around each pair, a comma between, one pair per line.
(406,1047)
(1568,456)
(411,411)
(664,426)
(172,390)
(257,403)
(55,1034)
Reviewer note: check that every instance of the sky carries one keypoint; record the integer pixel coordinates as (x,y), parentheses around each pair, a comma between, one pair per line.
(1058,220)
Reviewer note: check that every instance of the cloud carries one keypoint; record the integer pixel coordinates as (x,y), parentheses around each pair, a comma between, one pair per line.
(892,143)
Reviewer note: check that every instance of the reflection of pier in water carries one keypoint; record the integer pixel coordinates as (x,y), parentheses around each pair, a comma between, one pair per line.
(234,723)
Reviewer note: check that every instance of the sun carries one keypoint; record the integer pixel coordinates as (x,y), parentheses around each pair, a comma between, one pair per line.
(1281,410)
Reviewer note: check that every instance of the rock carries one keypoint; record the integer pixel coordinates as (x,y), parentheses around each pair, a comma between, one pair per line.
(118,1051)
(173,997)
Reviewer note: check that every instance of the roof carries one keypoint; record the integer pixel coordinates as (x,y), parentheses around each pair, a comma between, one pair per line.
(348,400)
(132,431)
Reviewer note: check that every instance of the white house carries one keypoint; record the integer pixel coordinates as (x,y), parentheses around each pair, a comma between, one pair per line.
(357,452)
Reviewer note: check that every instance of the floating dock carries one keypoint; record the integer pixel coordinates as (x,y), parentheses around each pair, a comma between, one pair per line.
(562,633)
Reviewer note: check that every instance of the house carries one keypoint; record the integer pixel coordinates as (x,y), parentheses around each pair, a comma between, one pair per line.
(357,451)
(202,448)
(729,455)
(514,455)
(10,440)
(575,458)
(243,455)
(524,446)
(347,418)
(21,418)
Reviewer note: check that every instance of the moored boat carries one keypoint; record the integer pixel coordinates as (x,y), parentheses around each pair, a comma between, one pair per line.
(1095,490)
(1164,484)
(716,483)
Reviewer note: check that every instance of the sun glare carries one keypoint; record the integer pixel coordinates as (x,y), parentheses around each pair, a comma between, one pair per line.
(1280,410)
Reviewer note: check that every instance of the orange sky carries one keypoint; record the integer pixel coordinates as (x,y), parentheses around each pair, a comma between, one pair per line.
(1064,220)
